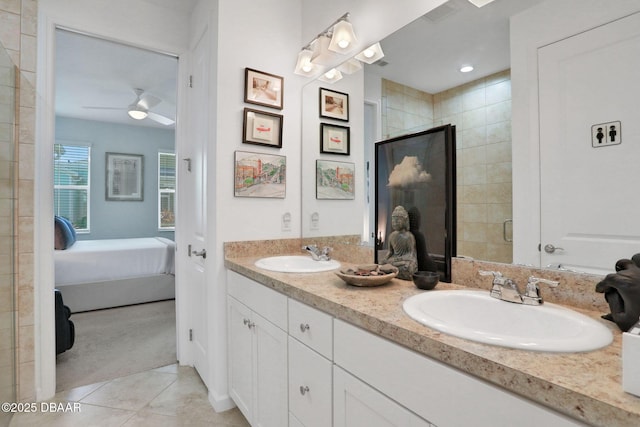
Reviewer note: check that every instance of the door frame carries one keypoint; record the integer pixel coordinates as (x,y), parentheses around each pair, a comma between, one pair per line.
(43,281)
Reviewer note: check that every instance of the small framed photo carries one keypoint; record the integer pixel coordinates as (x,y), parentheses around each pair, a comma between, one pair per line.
(334,139)
(124,177)
(334,105)
(262,128)
(335,180)
(260,175)
(263,88)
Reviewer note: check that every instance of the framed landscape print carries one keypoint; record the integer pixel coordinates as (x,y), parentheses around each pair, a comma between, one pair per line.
(263,88)
(124,177)
(260,175)
(262,128)
(334,139)
(335,180)
(334,105)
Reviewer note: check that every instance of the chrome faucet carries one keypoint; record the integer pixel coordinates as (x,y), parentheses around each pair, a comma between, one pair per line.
(506,289)
(317,254)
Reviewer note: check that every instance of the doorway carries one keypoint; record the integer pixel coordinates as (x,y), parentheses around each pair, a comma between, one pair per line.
(99,85)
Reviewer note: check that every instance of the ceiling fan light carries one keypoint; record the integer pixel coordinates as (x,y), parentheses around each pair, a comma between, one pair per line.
(466,68)
(371,54)
(137,113)
(343,37)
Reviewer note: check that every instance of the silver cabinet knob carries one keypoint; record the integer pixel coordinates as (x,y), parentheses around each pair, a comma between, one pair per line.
(248,323)
(549,248)
(304,390)
(304,327)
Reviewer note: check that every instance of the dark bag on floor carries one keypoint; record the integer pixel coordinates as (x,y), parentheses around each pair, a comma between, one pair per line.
(65,330)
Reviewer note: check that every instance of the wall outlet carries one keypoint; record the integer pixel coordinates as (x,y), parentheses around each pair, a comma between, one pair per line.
(605,134)
(286,222)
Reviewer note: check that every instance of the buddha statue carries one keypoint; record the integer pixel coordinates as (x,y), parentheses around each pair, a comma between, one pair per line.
(402,245)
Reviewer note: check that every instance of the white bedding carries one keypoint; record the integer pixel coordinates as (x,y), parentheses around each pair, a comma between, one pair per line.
(90,261)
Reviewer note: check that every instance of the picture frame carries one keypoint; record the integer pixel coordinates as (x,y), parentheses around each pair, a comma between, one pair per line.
(334,105)
(260,175)
(335,139)
(335,180)
(124,177)
(418,172)
(264,89)
(262,128)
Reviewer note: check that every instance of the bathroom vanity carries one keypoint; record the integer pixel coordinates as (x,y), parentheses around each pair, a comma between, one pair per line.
(330,351)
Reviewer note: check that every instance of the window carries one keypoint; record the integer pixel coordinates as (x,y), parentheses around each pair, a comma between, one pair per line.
(71,184)
(166,191)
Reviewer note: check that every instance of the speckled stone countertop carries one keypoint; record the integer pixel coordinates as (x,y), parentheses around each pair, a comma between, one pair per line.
(585,386)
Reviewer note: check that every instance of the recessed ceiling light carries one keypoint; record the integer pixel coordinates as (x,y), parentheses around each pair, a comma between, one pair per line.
(466,69)
(480,3)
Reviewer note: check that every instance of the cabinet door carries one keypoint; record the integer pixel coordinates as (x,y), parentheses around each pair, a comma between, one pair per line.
(309,385)
(355,404)
(270,367)
(240,356)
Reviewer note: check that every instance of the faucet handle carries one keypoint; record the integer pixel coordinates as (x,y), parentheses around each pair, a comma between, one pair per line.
(489,273)
(535,280)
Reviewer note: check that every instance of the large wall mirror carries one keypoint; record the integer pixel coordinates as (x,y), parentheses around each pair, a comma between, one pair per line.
(418,86)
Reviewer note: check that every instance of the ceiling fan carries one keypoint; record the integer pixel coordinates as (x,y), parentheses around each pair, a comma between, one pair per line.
(140,108)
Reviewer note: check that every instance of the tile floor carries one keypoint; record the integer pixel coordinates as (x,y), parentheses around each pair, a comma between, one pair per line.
(169,396)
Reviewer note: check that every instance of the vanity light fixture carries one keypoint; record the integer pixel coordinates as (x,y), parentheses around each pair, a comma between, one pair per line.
(466,68)
(343,37)
(304,66)
(337,38)
(350,66)
(137,113)
(371,54)
(331,76)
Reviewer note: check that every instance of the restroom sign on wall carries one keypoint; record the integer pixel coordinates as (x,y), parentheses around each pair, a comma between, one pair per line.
(605,134)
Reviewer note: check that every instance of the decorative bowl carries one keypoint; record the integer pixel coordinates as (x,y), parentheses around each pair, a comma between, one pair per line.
(351,278)
(426,280)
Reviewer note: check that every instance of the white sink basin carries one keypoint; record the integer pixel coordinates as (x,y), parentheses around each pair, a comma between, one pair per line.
(296,264)
(476,316)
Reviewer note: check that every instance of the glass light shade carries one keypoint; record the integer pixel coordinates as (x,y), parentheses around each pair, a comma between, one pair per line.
(321,53)
(331,76)
(304,66)
(137,113)
(343,37)
(371,54)
(350,66)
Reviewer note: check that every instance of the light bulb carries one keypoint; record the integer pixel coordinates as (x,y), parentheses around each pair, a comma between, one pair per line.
(343,43)
(368,53)
(466,69)
(331,73)
(307,67)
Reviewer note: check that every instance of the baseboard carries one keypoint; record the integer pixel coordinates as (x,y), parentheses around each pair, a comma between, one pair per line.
(220,403)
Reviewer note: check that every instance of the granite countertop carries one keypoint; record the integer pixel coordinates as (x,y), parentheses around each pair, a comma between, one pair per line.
(585,386)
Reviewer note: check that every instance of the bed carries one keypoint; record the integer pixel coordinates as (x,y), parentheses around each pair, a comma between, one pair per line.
(95,274)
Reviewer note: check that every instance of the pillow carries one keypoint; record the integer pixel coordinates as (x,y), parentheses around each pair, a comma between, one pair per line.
(65,234)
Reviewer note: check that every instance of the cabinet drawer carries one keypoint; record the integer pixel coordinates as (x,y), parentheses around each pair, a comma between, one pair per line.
(266,302)
(310,385)
(311,327)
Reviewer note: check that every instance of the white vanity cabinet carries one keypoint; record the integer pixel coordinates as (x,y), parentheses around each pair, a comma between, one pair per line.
(257,322)
(310,366)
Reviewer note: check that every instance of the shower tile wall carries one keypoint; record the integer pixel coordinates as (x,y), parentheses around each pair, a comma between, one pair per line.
(481,111)
(18,19)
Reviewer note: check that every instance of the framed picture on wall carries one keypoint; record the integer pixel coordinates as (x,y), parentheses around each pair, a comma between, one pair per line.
(334,105)
(263,88)
(335,180)
(334,139)
(262,128)
(124,177)
(260,175)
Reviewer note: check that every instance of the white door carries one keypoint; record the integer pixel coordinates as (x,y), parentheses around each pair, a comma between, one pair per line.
(192,218)
(588,83)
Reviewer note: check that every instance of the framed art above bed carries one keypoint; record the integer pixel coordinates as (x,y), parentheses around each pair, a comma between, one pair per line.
(124,177)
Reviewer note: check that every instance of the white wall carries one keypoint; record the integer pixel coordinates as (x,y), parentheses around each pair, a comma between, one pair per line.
(544,24)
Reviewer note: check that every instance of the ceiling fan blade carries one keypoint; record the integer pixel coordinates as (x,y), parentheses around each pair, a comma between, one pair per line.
(148,101)
(161,119)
